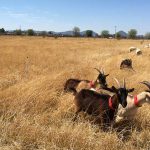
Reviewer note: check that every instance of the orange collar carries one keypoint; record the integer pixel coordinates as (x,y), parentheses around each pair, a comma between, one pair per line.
(136,103)
(110,104)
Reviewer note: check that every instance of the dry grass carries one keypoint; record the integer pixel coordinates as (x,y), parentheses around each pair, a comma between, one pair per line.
(36,114)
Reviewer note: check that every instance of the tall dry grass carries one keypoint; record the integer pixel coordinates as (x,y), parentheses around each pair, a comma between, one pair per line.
(35,113)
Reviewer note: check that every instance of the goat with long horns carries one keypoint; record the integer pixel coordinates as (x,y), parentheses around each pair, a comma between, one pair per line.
(102,106)
(134,103)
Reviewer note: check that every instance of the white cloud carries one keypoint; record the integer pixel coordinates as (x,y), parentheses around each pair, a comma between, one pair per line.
(18,14)
(15,14)
(27,19)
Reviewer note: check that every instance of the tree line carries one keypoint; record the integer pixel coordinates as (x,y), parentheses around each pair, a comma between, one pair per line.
(132,33)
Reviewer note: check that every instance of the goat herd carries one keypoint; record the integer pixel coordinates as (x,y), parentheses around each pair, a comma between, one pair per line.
(138,51)
(108,105)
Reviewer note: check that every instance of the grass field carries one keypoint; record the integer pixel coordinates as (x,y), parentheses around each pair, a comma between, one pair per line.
(35,113)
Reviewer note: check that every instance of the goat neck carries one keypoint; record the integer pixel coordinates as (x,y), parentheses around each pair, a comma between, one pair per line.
(143,97)
(115,101)
(95,84)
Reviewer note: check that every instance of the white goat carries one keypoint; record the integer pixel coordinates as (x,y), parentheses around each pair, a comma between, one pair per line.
(138,51)
(132,49)
(133,103)
(146,46)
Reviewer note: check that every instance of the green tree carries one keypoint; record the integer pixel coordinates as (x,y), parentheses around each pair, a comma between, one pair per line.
(132,34)
(147,35)
(76,31)
(89,33)
(118,35)
(2,31)
(105,34)
(18,32)
(30,32)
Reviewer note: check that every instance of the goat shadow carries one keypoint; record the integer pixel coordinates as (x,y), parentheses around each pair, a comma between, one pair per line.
(130,69)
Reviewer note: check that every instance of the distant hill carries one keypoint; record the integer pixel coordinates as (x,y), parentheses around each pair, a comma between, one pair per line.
(66,33)
(70,33)
(123,34)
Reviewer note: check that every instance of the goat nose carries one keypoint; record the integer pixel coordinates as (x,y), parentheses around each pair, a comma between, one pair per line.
(124,104)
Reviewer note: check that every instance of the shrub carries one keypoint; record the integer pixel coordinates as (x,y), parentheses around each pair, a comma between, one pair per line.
(147,35)
(18,32)
(118,35)
(132,34)
(76,31)
(2,31)
(89,33)
(105,34)
(30,32)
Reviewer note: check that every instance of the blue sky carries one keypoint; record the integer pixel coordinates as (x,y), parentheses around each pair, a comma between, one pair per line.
(62,15)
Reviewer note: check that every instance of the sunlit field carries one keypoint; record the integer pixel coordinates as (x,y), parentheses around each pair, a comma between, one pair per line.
(35,113)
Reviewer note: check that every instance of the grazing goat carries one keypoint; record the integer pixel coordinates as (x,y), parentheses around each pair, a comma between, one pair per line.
(74,85)
(133,103)
(132,49)
(147,46)
(103,106)
(126,63)
(138,51)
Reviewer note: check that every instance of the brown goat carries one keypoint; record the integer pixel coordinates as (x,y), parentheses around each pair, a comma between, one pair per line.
(126,63)
(73,85)
(102,106)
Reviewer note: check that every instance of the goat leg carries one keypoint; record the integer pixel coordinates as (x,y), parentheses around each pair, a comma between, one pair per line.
(106,122)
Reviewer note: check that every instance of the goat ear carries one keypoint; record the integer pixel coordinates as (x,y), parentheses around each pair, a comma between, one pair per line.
(130,90)
(106,75)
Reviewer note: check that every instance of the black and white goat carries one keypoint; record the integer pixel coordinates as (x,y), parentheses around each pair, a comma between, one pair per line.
(134,102)
(103,106)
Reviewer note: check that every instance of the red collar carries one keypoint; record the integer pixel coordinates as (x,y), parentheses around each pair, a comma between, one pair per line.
(136,103)
(91,84)
(110,104)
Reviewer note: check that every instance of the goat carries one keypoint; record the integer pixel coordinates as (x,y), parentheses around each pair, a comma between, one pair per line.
(147,46)
(138,51)
(132,49)
(126,63)
(103,106)
(133,103)
(73,85)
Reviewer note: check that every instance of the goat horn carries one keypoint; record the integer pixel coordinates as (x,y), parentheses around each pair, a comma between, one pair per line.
(98,70)
(124,83)
(146,83)
(102,71)
(117,82)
